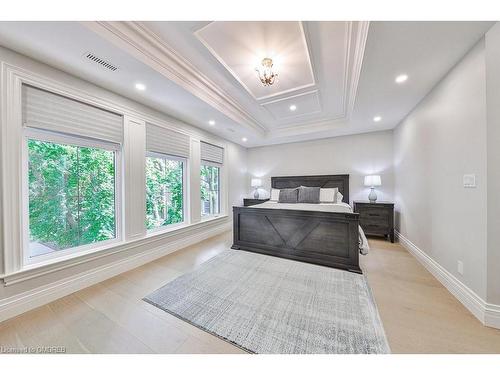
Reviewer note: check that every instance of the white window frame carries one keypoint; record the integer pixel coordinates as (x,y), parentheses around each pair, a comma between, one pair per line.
(165,228)
(15,72)
(220,166)
(47,136)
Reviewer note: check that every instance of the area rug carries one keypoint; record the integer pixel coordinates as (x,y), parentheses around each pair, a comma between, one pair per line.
(266,304)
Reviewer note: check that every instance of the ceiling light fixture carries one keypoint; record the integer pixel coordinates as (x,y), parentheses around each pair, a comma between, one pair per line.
(211,123)
(244,139)
(377,119)
(293,107)
(401,78)
(266,74)
(140,86)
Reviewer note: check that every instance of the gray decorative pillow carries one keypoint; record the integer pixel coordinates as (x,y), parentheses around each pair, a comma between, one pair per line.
(308,194)
(288,196)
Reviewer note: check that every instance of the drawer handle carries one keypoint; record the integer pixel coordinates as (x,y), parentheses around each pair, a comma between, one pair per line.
(373,214)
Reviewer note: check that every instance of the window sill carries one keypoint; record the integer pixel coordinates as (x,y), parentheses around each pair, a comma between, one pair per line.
(57,264)
(204,219)
(69,256)
(166,229)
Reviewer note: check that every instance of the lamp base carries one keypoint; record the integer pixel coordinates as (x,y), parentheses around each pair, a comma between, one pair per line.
(372,197)
(256,194)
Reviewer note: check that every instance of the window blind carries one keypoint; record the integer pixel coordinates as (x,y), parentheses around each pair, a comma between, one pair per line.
(166,141)
(49,111)
(212,153)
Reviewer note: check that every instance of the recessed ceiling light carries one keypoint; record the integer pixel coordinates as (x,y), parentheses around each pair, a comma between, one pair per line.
(211,123)
(401,78)
(293,107)
(140,86)
(377,119)
(244,139)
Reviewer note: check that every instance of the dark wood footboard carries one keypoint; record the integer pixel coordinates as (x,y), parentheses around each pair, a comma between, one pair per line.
(324,238)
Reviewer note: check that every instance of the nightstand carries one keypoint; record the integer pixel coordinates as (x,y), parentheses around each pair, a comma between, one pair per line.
(252,201)
(376,218)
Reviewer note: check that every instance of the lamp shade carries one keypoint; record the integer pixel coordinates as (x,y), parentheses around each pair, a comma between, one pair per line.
(256,182)
(373,180)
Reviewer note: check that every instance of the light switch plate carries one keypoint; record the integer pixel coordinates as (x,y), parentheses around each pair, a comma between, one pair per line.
(460,267)
(469,180)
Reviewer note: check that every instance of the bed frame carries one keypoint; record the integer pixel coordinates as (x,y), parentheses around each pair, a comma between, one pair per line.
(325,238)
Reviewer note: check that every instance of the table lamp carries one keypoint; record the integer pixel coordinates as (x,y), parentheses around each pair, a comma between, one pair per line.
(372,181)
(256,183)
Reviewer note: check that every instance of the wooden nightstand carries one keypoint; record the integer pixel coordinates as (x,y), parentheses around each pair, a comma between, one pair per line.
(376,218)
(252,201)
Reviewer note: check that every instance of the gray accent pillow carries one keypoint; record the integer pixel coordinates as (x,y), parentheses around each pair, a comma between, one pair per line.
(308,194)
(288,196)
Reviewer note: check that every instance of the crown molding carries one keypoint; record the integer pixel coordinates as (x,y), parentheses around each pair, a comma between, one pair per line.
(206,44)
(148,47)
(292,116)
(355,42)
(137,39)
(308,128)
(359,52)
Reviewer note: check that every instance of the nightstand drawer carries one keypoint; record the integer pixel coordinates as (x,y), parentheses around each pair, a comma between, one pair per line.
(374,212)
(374,220)
(375,228)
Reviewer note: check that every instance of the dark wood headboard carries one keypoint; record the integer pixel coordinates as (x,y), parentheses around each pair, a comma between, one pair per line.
(340,181)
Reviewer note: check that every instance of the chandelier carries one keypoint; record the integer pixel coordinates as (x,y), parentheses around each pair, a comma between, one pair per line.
(265,72)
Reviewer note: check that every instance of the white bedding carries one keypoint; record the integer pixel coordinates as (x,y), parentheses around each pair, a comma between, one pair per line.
(324,207)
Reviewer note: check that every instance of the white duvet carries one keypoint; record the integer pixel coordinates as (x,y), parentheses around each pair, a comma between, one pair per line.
(325,207)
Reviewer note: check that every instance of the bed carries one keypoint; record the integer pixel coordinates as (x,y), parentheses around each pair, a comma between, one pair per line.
(324,234)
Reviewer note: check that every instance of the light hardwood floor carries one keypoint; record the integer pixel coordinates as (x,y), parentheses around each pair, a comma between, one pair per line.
(418,313)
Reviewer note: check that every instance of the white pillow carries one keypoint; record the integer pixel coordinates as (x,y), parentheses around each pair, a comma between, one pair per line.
(328,195)
(275,195)
(339,197)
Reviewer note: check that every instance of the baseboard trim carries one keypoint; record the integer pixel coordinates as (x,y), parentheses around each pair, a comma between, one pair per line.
(20,303)
(487,314)
(492,316)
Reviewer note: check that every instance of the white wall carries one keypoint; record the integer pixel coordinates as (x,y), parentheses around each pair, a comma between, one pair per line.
(237,173)
(493,139)
(442,139)
(356,155)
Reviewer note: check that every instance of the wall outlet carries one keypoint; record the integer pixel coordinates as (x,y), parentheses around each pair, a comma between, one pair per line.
(460,267)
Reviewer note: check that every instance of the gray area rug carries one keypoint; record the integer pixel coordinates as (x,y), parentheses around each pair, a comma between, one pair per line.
(265,304)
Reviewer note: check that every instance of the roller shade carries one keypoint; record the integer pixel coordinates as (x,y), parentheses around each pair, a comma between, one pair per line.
(166,141)
(48,111)
(212,153)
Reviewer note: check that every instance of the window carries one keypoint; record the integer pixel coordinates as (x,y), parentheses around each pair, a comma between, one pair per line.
(212,159)
(71,193)
(71,175)
(210,189)
(164,190)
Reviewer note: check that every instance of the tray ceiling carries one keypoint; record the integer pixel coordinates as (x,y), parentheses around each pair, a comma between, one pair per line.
(241,46)
(337,76)
(303,104)
(318,63)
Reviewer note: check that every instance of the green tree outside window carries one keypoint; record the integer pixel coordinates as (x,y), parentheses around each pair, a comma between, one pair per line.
(71,196)
(164,192)
(210,190)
